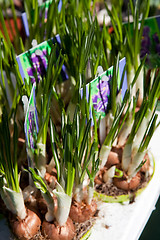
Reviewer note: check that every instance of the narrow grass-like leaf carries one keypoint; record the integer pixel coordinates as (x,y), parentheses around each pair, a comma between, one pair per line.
(84,140)
(4,28)
(38,181)
(149,133)
(54,149)
(138,71)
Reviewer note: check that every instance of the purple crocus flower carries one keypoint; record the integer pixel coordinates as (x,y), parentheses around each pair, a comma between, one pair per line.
(39,65)
(101,106)
(95,98)
(32,129)
(145,43)
(30,72)
(100,100)
(157,43)
(103,87)
(155,38)
(150,45)
(146,31)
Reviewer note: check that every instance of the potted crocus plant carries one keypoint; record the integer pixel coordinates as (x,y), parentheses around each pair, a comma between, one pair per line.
(86,166)
(68,194)
(131,138)
(57,192)
(129,165)
(24,222)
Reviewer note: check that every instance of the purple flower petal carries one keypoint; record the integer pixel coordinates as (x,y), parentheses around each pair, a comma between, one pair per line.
(146,31)
(156,38)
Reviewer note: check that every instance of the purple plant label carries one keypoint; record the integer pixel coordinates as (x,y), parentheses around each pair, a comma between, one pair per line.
(100,92)
(31,121)
(33,63)
(100,89)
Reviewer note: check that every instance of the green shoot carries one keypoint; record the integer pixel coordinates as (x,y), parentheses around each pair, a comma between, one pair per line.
(62,152)
(47,195)
(9,164)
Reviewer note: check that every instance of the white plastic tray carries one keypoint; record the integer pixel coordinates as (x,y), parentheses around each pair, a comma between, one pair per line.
(127,221)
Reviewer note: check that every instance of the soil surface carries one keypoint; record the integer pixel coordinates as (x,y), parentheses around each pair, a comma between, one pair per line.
(110,189)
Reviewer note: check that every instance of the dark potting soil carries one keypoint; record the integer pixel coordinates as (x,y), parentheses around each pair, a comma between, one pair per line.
(110,189)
